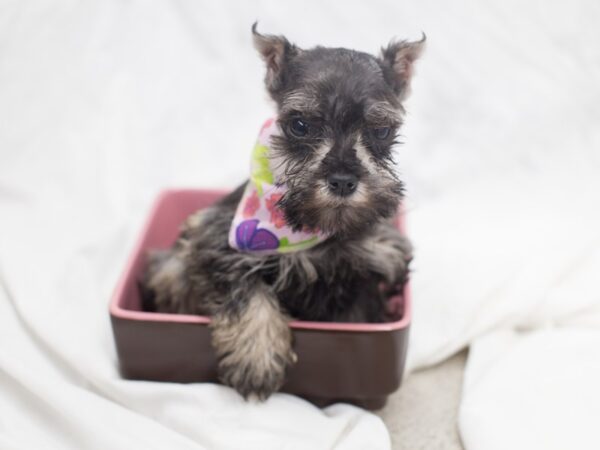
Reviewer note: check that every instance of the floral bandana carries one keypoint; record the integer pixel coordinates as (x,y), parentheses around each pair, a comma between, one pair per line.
(259,225)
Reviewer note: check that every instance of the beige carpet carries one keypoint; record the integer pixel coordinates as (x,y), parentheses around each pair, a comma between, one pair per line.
(422,414)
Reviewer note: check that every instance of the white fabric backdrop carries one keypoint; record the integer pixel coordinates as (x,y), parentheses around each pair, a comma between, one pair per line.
(102,104)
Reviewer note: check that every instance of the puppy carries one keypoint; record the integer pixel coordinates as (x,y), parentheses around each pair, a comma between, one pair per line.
(327,161)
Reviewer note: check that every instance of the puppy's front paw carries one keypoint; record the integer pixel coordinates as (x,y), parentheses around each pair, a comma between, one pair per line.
(389,254)
(255,375)
(253,346)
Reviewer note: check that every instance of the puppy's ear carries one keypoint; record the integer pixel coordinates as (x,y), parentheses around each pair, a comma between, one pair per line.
(275,52)
(398,58)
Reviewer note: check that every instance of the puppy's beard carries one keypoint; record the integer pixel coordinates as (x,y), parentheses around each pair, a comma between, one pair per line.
(344,216)
(311,203)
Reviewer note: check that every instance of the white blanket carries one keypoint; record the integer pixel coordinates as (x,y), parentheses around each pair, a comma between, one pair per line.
(102,104)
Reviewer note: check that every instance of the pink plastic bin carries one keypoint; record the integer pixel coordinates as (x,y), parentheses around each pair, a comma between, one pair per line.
(352,362)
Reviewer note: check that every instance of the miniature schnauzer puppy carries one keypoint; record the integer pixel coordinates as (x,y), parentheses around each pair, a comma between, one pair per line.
(338,115)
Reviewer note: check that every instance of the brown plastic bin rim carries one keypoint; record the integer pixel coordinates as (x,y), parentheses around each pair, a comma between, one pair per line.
(116,309)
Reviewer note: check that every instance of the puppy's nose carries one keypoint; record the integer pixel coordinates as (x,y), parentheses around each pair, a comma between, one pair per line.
(342,184)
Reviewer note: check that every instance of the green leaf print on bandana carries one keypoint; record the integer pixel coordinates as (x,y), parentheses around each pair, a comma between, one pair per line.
(261,174)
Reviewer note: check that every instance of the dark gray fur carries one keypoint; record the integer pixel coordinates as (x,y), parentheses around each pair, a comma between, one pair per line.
(344,97)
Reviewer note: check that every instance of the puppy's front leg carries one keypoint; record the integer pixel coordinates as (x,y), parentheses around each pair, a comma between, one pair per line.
(253,343)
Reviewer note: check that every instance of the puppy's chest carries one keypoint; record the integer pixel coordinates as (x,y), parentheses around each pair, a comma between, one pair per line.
(321,285)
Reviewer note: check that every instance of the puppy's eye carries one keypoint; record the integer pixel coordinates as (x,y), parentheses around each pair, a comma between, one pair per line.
(299,128)
(381,133)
